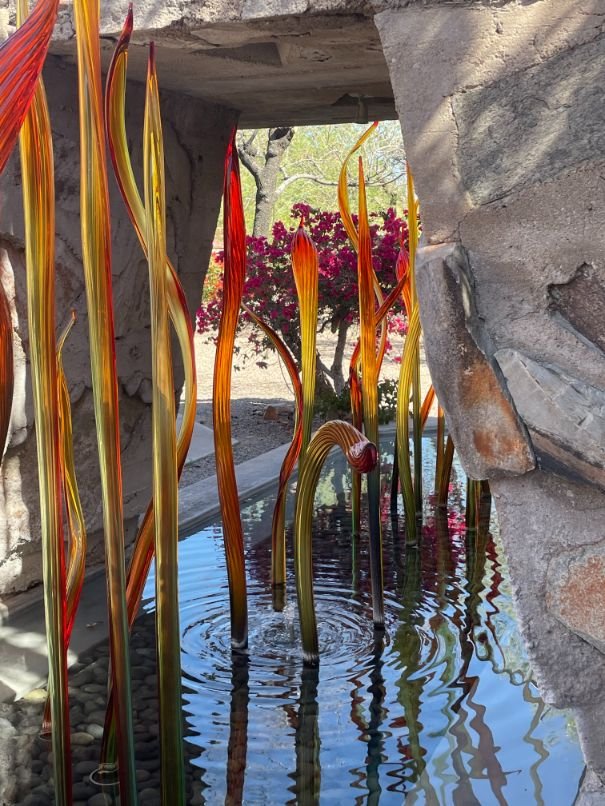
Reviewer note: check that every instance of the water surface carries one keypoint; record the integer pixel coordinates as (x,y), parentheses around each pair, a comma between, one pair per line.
(440,709)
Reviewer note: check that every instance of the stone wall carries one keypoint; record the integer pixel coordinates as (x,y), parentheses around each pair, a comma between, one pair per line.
(196,135)
(503,117)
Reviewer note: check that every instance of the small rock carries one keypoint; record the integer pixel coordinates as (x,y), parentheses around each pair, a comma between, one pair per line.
(36,799)
(37,695)
(82,790)
(142,776)
(81,738)
(95,730)
(98,717)
(150,797)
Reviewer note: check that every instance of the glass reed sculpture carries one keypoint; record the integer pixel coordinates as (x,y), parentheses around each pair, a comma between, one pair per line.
(96,257)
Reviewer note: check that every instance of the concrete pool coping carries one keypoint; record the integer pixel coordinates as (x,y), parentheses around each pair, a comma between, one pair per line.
(23,663)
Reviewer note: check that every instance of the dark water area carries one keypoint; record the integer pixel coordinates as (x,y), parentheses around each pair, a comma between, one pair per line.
(439,709)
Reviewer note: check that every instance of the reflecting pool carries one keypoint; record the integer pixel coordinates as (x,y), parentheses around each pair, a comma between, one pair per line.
(440,709)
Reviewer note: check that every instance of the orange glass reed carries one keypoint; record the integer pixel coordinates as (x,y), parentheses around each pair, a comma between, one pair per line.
(115,121)
(76,563)
(354,379)
(96,254)
(362,456)
(7,369)
(278,534)
(305,267)
(369,394)
(22,56)
(233,285)
(39,213)
(165,479)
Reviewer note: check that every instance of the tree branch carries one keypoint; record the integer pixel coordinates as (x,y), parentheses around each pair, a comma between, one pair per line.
(320,180)
(249,163)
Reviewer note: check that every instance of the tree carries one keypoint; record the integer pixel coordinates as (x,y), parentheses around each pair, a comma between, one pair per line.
(270,291)
(265,173)
(283,168)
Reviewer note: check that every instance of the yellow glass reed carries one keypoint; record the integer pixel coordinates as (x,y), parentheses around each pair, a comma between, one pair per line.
(76,563)
(96,254)
(39,212)
(278,532)
(165,481)
(410,352)
(369,394)
(362,456)
(409,386)
(115,119)
(414,235)
(115,105)
(7,370)
(233,284)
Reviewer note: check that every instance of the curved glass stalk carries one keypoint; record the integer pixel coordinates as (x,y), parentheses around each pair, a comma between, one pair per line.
(76,562)
(39,213)
(165,479)
(361,455)
(7,370)
(22,56)
(369,394)
(96,254)
(233,285)
(278,532)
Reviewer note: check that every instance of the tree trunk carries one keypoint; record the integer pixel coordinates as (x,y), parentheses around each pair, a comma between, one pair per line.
(266,175)
(336,369)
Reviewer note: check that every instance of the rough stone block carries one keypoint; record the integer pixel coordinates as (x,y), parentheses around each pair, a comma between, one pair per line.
(565,416)
(523,129)
(486,430)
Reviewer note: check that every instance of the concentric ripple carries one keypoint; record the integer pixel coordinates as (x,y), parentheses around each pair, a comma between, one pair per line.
(439,707)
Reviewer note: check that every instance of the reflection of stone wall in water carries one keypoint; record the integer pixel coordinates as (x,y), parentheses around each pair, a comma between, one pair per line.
(502,111)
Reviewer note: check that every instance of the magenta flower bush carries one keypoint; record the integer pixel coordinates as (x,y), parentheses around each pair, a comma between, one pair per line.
(270,292)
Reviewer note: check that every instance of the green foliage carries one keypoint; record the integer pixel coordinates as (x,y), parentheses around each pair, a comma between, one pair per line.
(332,406)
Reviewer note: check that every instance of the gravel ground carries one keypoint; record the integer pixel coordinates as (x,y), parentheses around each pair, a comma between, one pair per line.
(25,758)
